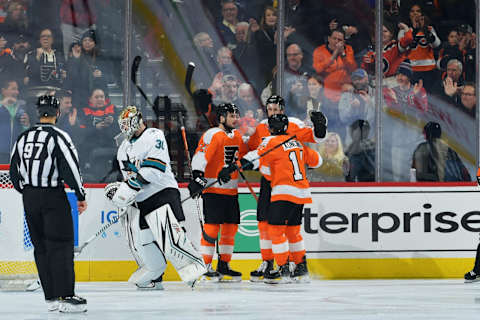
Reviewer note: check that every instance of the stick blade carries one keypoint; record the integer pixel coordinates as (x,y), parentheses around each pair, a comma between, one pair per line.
(135,66)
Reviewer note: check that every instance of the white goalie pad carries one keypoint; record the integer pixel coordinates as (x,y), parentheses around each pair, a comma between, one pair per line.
(174,243)
(151,261)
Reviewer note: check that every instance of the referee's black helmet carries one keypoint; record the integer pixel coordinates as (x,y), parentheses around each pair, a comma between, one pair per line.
(47,106)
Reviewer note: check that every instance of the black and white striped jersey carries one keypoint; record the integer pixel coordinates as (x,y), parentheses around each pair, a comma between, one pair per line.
(45,157)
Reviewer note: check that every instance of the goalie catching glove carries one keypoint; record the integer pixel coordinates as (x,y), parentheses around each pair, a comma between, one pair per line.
(122,194)
(198,183)
(319,124)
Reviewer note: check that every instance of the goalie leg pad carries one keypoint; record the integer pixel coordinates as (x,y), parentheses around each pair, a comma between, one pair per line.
(150,259)
(174,243)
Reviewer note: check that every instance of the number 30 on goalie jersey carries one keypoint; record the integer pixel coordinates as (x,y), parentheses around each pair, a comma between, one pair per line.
(286,167)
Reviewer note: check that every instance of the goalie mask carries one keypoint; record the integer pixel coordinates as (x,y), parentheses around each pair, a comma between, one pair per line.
(130,120)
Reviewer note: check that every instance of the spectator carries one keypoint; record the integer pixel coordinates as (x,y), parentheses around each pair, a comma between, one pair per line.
(89,69)
(468,99)
(434,160)
(204,44)
(229,91)
(247,99)
(315,100)
(334,61)
(421,48)
(14,118)
(226,27)
(404,103)
(265,41)
(68,119)
(450,87)
(394,52)
(16,67)
(246,55)
(335,165)
(44,66)
(361,153)
(449,50)
(77,17)
(98,131)
(224,61)
(358,103)
(16,22)
(467,44)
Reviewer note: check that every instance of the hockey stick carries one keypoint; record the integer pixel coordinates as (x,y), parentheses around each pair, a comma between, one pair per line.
(241,168)
(133,75)
(189,160)
(78,250)
(248,185)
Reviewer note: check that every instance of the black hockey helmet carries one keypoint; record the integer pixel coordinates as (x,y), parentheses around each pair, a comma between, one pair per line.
(432,130)
(278,124)
(47,106)
(224,108)
(276,100)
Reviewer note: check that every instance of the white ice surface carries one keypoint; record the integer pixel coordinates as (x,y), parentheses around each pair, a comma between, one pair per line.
(334,299)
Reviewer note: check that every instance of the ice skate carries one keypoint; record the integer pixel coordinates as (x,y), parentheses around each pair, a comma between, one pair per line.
(227,274)
(282,275)
(300,274)
(72,304)
(471,276)
(52,304)
(265,267)
(211,275)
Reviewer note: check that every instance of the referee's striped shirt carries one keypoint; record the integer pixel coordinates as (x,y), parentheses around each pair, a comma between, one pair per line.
(45,157)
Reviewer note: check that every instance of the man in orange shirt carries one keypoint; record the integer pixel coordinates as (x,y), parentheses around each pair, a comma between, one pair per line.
(334,61)
(217,150)
(290,191)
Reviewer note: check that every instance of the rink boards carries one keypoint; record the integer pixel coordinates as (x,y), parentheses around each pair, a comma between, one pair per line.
(389,231)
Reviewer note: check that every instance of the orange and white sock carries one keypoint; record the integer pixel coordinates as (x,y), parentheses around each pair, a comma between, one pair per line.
(227,241)
(210,232)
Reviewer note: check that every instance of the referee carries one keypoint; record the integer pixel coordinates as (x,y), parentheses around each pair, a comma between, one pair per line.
(43,158)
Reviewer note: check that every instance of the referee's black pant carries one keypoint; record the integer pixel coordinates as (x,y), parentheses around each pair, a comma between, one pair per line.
(51,229)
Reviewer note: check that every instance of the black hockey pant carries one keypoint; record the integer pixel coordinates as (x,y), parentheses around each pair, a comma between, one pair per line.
(51,230)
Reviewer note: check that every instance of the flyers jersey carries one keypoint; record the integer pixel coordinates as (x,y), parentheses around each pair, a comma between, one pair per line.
(295,127)
(217,149)
(286,167)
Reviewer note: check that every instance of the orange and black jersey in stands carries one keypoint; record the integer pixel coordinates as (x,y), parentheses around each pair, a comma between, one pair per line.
(286,167)
(217,149)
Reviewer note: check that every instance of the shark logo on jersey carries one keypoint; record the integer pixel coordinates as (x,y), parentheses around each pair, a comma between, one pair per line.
(231,154)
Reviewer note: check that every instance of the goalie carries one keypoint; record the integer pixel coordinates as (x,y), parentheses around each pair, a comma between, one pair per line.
(154,218)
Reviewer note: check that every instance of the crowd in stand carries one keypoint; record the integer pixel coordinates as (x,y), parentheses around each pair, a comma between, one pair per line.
(72,48)
(66,48)
(428,59)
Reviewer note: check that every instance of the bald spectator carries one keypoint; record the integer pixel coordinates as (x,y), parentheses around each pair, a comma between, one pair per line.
(247,99)
(334,61)
(204,43)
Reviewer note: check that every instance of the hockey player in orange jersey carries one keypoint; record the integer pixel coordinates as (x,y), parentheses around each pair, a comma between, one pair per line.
(276,105)
(285,166)
(217,150)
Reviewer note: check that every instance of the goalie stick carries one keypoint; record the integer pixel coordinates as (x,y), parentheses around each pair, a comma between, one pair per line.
(260,156)
(78,250)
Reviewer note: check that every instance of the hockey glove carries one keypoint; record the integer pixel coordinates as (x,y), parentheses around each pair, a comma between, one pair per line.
(198,183)
(224,174)
(122,194)
(246,165)
(319,124)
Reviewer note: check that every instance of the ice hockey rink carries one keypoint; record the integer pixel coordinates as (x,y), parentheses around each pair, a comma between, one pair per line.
(328,299)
